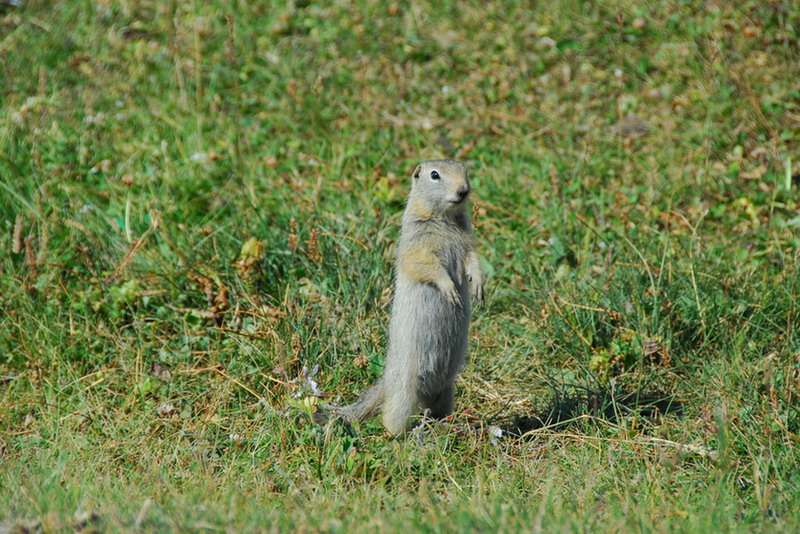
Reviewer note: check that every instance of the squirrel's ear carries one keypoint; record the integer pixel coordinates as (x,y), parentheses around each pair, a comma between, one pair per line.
(417,171)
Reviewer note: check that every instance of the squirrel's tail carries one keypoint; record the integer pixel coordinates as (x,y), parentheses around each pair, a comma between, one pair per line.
(367,406)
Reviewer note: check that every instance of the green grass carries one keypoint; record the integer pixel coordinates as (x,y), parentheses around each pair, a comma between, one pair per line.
(152,356)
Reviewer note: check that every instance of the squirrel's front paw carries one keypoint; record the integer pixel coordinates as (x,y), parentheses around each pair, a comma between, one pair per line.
(450,293)
(476,287)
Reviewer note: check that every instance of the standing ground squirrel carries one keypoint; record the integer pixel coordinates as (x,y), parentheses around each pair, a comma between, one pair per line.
(437,271)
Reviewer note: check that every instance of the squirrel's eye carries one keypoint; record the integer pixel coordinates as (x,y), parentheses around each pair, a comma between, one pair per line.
(435,175)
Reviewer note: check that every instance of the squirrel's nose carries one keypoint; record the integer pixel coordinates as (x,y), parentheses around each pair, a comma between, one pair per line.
(462,192)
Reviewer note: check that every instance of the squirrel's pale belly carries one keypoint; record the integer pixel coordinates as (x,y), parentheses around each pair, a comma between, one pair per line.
(428,332)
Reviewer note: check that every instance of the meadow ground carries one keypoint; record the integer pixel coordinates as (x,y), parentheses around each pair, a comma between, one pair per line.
(199,207)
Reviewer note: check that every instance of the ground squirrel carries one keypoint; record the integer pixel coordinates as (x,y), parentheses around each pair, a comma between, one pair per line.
(437,271)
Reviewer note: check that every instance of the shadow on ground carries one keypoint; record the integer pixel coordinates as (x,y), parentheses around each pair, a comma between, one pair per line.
(571,404)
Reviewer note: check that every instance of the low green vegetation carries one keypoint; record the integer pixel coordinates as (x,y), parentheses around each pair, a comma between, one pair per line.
(199,206)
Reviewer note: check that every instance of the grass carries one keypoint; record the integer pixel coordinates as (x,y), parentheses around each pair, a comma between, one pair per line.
(199,206)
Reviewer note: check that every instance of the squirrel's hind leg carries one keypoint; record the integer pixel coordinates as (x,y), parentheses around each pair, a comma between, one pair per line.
(441,404)
(399,405)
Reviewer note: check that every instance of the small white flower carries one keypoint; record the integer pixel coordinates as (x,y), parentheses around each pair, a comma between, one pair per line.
(495,433)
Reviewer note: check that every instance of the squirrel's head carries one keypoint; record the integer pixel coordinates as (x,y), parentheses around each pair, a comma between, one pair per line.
(441,185)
